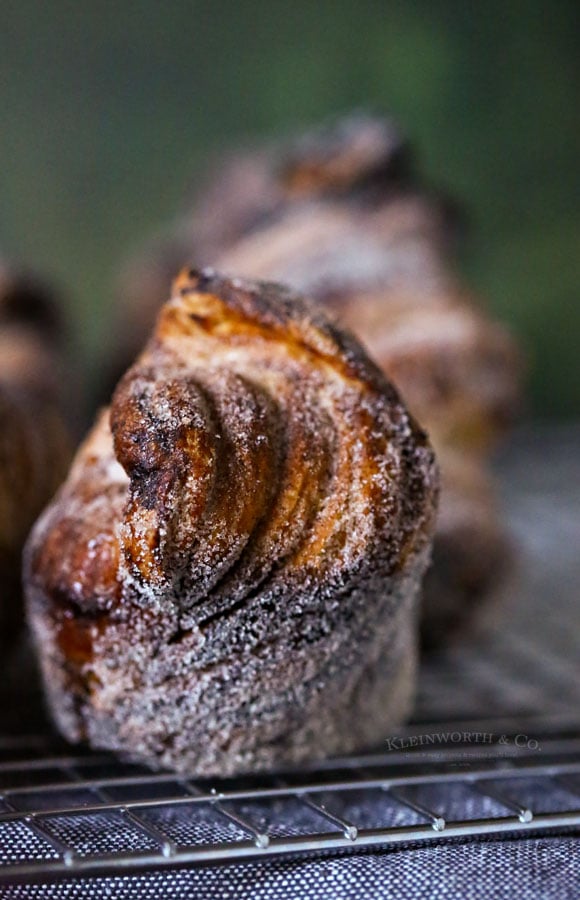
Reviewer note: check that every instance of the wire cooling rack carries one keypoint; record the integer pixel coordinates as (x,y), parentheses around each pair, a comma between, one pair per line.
(91,814)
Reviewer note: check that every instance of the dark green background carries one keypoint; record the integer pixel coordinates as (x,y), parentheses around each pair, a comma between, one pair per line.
(108,109)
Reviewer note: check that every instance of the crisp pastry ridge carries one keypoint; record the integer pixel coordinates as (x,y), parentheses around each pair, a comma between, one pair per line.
(229,577)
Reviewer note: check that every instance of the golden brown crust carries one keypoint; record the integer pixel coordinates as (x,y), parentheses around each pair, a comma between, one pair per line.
(261,487)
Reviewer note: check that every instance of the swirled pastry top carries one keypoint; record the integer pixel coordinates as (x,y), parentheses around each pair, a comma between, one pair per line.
(254,451)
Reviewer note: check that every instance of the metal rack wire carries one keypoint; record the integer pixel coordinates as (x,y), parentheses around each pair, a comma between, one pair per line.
(91,814)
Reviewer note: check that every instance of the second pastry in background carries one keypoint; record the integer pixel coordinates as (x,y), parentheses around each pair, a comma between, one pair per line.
(341,214)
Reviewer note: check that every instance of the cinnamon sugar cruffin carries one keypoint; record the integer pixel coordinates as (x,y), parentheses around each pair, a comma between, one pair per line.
(229,577)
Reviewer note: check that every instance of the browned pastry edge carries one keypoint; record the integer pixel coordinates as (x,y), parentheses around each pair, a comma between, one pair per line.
(242,589)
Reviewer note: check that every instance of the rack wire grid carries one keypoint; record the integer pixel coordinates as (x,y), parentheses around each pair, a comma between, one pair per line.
(92,814)
(66,812)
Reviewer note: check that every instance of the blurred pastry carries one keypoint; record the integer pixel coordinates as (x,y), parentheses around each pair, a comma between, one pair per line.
(229,577)
(342,216)
(241,195)
(34,451)
(472,555)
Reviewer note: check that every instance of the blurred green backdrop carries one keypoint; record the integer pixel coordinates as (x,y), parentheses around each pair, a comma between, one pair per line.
(109,109)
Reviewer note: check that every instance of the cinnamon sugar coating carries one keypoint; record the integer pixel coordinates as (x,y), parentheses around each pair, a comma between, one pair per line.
(229,577)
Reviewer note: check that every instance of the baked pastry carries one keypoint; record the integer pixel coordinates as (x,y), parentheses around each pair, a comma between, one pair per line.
(33,443)
(342,216)
(229,577)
